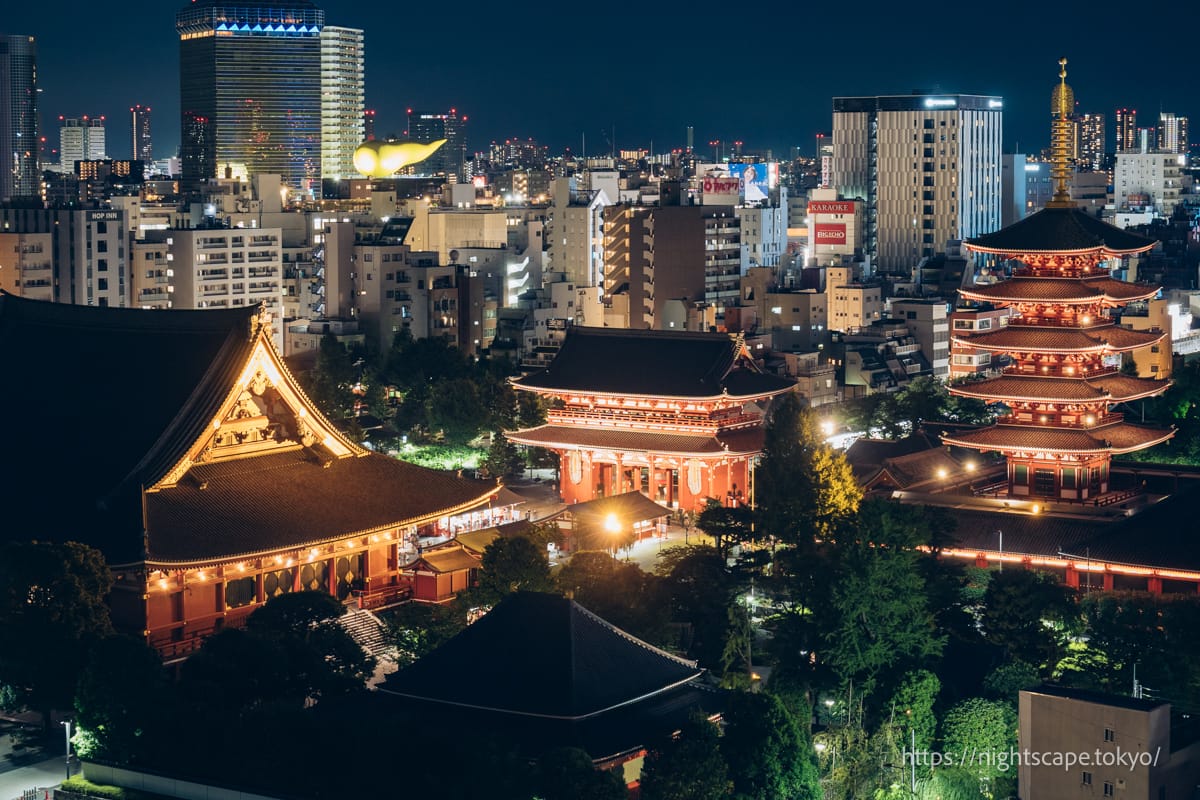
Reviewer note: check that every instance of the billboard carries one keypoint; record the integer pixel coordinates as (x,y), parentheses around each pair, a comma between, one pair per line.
(757,179)
(713,185)
(829,234)
(831,207)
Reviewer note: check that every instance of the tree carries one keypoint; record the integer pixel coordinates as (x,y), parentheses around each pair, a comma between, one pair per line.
(567,773)
(122,690)
(456,409)
(984,727)
(531,410)
(768,754)
(912,709)
(420,628)
(329,382)
(803,487)
(1016,607)
(688,766)
(727,526)
(882,618)
(619,592)
(701,590)
(512,565)
(51,611)
(504,459)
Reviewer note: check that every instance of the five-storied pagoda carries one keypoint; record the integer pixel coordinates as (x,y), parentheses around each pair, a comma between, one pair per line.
(1060,434)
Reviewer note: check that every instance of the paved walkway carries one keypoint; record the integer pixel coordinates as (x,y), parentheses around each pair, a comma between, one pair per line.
(43,774)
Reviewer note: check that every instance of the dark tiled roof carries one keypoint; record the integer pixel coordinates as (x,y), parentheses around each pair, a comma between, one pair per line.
(739,441)
(873,452)
(541,655)
(1036,338)
(1114,388)
(915,469)
(629,507)
(253,505)
(653,363)
(1060,230)
(1159,537)
(1118,438)
(117,394)
(1060,290)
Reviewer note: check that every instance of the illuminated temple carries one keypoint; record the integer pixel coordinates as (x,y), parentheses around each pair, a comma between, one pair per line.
(178,444)
(1060,433)
(677,416)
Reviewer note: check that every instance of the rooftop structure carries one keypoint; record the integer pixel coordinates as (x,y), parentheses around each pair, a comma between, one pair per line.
(203,473)
(677,416)
(1060,433)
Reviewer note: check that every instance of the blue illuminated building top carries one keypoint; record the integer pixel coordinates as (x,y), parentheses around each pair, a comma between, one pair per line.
(278,18)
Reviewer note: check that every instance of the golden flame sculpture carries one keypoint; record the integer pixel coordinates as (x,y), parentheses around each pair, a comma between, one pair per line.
(378,159)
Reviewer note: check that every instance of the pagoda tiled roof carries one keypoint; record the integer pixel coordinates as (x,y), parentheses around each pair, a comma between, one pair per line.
(546,657)
(653,364)
(444,560)
(246,506)
(1060,230)
(745,440)
(1045,339)
(119,395)
(1111,388)
(1115,438)
(1059,290)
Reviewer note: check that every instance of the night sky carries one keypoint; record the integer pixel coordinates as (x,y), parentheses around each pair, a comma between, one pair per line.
(554,71)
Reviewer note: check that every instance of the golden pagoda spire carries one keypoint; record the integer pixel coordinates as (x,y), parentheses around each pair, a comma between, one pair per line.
(1062,104)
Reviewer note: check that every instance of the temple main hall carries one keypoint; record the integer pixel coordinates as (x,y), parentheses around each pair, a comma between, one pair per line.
(677,416)
(179,445)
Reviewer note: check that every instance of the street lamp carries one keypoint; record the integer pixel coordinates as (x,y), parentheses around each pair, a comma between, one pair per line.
(1001,535)
(612,526)
(66,723)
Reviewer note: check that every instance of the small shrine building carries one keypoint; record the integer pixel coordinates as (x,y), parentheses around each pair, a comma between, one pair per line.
(677,416)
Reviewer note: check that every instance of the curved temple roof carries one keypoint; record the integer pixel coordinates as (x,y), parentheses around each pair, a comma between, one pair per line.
(1062,230)
(1024,289)
(1043,339)
(1115,439)
(1110,388)
(653,364)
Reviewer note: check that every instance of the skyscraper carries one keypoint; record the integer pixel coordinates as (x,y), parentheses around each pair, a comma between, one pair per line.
(1172,133)
(1127,135)
(1090,149)
(450,159)
(80,139)
(250,90)
(369,125)
(18,117)
(927,166)
(141,148)
(341,100)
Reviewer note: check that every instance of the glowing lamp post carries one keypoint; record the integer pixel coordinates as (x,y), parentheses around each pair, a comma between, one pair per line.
(612,526)
(67,729)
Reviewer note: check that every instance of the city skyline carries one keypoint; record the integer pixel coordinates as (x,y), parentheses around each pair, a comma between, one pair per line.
(781,89)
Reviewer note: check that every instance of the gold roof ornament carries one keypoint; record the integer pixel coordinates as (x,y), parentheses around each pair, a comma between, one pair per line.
(1062,104)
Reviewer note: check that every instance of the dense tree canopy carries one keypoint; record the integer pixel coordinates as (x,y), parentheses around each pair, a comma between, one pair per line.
(512,565)
(768,754)
(687,767)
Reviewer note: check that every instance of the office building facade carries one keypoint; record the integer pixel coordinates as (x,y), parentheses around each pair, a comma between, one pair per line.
(450,160)
(1127,130)
(80,139)
(18,117)
(927,167)
(1172,133)
(250,91)
(141,147)
(342,114)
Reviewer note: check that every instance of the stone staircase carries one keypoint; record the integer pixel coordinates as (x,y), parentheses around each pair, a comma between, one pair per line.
(368,630)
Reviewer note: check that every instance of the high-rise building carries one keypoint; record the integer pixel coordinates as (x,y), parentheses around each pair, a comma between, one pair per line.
(927,167)
(1127,130)
(342,119)
(18,117)
(1089,150)
(250,90)
(369,125)
(451,158)
(141,148)
(1172,133)
(80,139)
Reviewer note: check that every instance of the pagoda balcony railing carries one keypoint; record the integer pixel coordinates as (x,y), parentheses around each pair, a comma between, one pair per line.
(1036,371)
(650,421)
(1034,420)
(1060,322)
(383,596)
